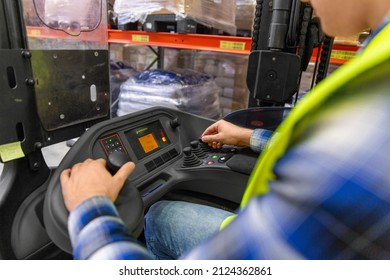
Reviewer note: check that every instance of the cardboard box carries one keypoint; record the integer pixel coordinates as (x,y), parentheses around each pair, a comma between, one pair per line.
(245,14)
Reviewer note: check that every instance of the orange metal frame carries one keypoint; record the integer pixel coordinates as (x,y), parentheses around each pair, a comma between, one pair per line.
(340,53)
(216,43)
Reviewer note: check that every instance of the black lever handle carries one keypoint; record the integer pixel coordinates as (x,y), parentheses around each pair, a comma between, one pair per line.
(115,161)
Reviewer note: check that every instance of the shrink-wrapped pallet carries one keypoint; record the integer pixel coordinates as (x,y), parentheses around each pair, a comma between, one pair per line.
(229,72)
(183,89)
(218,14)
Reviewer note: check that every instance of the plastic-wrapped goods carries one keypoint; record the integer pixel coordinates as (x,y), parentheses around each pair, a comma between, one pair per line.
(218,14)
(229,72)
(184,90)
(245,14)
(119,73)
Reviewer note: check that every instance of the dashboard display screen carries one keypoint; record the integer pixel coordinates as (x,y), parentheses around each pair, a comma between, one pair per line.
(147,139)
(148,143)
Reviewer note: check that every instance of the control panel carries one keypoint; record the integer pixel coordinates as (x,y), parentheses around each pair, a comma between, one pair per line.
(158,141)
(170,163)
(168,154)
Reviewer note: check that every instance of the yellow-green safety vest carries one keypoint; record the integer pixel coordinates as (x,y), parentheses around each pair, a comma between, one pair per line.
(376,52)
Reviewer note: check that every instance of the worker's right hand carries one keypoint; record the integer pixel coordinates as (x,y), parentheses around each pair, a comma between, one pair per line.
(91,178)
(223,132)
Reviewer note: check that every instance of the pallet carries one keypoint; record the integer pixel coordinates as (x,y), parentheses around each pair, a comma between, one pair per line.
(244,33)
(130,26)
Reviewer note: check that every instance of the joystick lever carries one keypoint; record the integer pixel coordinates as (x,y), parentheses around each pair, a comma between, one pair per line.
(204,146)
(196,149)
(190,159)
(115,161)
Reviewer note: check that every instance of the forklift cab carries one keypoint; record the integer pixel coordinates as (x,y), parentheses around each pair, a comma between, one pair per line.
(55,87)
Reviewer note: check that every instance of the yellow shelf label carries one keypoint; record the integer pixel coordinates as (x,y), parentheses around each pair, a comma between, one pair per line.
(342,55)
(140,38)
(35,32)
(231,45)
(11,151)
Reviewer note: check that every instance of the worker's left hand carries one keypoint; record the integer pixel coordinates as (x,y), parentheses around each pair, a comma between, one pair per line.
(91,178)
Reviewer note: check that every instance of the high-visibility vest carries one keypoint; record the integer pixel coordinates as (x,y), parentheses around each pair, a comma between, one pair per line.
(376,53)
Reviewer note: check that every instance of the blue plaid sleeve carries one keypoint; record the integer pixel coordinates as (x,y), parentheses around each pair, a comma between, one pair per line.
(259,139)
(97,231)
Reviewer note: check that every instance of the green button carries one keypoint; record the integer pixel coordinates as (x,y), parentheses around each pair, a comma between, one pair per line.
(214,156)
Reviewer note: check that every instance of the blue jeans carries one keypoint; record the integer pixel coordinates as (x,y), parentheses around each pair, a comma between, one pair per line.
(172,228)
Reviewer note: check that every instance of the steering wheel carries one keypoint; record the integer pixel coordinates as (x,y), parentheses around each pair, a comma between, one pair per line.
(129,205)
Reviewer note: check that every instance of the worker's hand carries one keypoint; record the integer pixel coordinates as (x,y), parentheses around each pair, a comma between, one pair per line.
(223,132)
(91,178)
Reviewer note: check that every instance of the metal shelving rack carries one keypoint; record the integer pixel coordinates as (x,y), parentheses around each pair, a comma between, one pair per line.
(217,43)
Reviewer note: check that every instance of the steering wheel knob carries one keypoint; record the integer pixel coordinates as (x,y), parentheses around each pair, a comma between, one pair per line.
(115,161)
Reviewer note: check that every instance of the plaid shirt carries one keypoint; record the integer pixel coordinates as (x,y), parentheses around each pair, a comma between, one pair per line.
(259,139)
(331,198)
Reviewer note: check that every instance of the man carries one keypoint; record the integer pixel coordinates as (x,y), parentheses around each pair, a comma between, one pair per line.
(321,190)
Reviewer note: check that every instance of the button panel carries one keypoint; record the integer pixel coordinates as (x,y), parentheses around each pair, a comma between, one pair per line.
(209,157)
(160,160)
(111,144)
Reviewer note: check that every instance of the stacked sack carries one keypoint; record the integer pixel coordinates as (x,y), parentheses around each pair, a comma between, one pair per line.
(183,89)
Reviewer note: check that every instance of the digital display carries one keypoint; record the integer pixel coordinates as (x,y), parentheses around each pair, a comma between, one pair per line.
(148,143)
(147,139)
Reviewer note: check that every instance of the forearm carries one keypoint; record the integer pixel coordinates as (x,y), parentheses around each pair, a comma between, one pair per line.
(243,137)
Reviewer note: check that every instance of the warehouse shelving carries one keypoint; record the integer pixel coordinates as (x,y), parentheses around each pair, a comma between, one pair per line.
(217,43)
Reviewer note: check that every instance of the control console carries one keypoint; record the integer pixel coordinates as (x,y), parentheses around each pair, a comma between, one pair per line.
(165,147)
(170,163)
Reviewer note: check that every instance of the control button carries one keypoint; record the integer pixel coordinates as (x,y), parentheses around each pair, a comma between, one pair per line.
(158,161)
(150,166)
(166,157)
(225,158)
(214,156)
(173,153)
(210,162)
(222,159)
